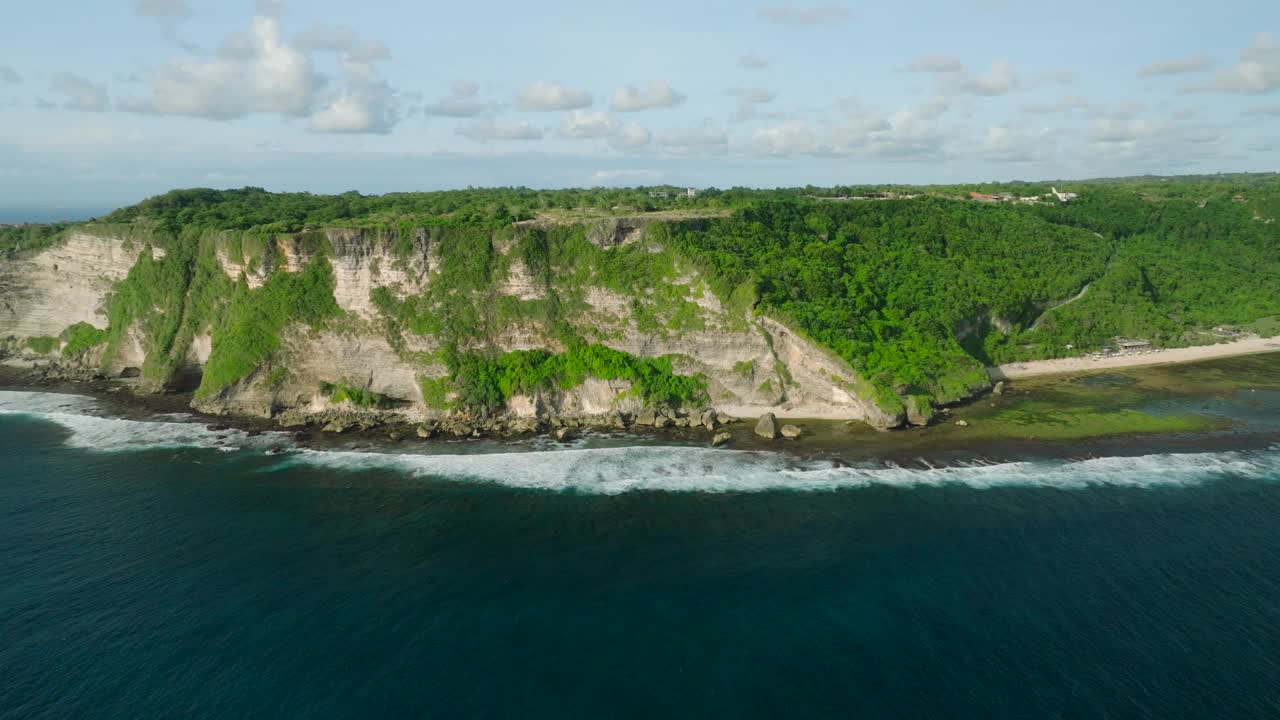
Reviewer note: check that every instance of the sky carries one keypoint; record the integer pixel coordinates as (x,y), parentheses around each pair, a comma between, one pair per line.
(106,102)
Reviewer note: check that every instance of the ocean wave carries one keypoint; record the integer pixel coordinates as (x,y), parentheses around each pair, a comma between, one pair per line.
(612,471)
(615,470)
(88,430)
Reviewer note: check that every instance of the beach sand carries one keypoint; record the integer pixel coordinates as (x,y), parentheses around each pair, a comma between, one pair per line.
(1246,346)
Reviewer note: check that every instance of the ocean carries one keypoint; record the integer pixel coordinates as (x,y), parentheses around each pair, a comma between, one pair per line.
(153,568)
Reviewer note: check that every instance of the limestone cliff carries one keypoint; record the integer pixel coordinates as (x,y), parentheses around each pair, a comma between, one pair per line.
(407,301)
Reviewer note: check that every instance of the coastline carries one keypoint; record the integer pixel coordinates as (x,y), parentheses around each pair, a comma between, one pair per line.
(1036,368)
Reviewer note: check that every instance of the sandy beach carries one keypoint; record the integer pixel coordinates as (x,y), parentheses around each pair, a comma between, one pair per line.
(1246,346)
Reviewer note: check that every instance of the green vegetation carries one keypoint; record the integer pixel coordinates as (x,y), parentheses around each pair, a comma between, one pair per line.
(81,337)
(917,295)
(29,238)
(342,391)
(745,368)
(485,383)
(250,332)
(43,344)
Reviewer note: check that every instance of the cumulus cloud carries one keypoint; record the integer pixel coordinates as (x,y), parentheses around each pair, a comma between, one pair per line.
(1002,79)
(1176,66)
(753,61)
(255,72)
(551,96)
(622,177)
(803,15)
(630,137)
(657,94)
(749,99)
(9,76)
(1061,106)
(1257,72)
(162,9)
(462,102)
(258,71)
(936,64)
(857,133)
(81,94)
(695,140)
(1004,144)
(486,130)
(586,124)
(1154,142)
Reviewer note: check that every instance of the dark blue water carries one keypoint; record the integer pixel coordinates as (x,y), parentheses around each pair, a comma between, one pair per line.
(189,582)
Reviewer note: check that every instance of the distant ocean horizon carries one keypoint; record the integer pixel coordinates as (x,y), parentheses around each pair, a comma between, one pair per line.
(26,215)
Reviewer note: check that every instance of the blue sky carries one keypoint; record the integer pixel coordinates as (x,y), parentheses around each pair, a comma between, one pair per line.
(104,102)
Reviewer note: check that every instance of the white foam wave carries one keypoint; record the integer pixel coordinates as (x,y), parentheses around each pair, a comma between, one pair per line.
(88,430)
(625,469)
(618,470)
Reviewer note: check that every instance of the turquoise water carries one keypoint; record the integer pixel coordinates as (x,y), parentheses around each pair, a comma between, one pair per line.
(154,569)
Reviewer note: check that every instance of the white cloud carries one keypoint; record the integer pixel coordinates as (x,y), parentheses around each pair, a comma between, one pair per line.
(803,15)
(1002,79)
(462,103)
(1016,145)
(630,137)
(344,40)
(857,133)
(695,140)
(255,72)
(753,61)
(549,96)
(936,64)
(1263,110)
(81,94)
(162,9)
(586,124)
(1257,72)
(1176,66)
(258,71)
(454,106)
(1061,106)
(748,101)
(624,177)
(9,75)
(491,129)
(657,94)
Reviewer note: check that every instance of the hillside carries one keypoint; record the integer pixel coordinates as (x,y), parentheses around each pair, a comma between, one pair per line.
(485,302)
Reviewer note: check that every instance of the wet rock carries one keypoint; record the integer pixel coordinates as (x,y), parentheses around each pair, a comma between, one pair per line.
(646,418)
(962,423)
(130,373)
(725,419)
(791,431)
(708,419)
(663,422)
(216,428)
(394,436)
(721,438)
(425,432)
(998,389)
(563,435)
(767,427)
(336,426)
(918,417)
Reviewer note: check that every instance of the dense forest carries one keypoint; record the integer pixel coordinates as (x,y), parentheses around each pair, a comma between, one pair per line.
(917,288)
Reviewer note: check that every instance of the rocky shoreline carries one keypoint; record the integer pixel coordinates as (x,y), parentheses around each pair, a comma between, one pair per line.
(347,420)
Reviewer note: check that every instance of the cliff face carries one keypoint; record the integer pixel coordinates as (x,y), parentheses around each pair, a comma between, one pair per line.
(405,300)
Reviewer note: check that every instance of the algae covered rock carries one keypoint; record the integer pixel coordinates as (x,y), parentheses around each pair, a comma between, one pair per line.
(767,427)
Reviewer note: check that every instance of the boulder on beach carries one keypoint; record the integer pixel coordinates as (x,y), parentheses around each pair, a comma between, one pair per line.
(767,427)
(791,431)
(721,439)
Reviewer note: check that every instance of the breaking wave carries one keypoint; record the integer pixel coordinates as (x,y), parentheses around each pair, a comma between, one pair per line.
(614,470)
(675,469)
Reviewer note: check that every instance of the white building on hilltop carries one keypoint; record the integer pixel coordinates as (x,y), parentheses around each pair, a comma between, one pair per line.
(1064,197)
